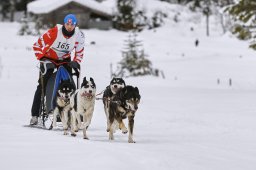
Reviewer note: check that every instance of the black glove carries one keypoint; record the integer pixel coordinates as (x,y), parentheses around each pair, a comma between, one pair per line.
(46,65)
(75,65)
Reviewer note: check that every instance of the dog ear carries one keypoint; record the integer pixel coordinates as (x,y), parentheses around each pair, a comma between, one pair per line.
(84,81)
(91,79)
(111,80)
(137,91)
(58,94)
(123,81)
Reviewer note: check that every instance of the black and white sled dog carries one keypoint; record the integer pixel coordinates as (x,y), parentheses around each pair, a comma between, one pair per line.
(115,85)
(124,104)
(65,90)
(82,106)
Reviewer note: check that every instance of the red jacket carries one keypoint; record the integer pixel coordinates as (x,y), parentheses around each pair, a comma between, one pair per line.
(55,46)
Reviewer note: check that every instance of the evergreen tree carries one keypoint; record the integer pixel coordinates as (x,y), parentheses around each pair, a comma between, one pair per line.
(157,19)
(128,17)
(134,61)
(21,5)
(8,9)
(223,3)
(24,30)
(244,13)
(34,27)
(12,9)
(124,19)
(205,7)
(5,9)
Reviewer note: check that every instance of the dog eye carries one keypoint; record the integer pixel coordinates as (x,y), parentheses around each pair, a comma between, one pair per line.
(86,86)
(129,101)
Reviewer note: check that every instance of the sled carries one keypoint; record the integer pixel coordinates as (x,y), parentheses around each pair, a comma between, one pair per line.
(48,99)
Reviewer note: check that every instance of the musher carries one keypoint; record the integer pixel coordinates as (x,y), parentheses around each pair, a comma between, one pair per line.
(56,45)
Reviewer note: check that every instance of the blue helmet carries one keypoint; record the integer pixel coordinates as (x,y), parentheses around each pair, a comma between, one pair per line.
(70,18)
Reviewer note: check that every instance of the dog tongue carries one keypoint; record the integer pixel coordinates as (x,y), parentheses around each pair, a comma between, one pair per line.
(87,94)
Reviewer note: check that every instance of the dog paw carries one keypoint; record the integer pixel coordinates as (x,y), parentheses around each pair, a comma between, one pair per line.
(124,131)
(76,129)
(131,141)
(86,138)
(54,124)
(65,133)
(73,134)
(111,137)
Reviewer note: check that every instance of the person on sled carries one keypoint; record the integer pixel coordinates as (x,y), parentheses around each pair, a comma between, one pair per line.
(56,45)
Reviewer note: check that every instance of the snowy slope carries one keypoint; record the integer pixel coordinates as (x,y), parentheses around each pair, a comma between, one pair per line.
(185,122)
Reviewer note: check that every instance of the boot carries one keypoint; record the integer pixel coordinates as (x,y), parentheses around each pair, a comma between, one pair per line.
(34,120)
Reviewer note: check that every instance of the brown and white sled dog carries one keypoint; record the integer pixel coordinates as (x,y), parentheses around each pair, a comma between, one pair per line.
(82,105)
(115,85)
(65,90)
(124,104)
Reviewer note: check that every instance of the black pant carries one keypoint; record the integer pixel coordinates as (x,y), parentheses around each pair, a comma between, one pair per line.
(38,93)
(35,110)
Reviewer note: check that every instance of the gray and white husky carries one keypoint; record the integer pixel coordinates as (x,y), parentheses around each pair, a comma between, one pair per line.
(82,106)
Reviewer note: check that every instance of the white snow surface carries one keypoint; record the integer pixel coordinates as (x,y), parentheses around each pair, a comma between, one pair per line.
(186,121)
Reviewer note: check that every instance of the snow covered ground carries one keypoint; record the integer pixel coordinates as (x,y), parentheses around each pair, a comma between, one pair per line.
(186,121)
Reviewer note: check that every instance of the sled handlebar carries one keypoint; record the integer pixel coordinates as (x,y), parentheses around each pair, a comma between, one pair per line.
(49,64)
(45,65)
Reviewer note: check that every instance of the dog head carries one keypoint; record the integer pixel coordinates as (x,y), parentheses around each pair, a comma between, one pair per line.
(88,88)
(131,97)
(116,84)
(65,90)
